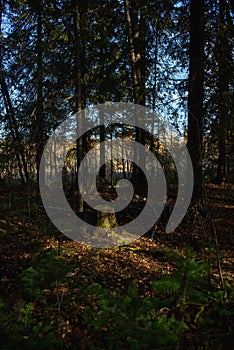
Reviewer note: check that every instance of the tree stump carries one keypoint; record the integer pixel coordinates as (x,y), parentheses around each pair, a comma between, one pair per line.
(105,220)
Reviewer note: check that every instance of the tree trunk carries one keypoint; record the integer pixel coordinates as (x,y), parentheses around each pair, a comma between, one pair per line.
(40,125)
(223,91)
(196,93)
(105,220)
(102,99)
(14,129)
(79,92)
(136,28)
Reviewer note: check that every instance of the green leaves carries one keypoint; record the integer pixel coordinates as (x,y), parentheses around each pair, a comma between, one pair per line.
(188,280)
(30,280)
(128,320)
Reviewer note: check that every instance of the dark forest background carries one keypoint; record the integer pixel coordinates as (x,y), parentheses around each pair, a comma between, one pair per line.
(163,291)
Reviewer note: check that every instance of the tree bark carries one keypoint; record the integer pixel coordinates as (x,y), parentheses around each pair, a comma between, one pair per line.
(223,91)
(102,99)
(79,54)
(136,30)
(196,93)
(40,124)
(14,129)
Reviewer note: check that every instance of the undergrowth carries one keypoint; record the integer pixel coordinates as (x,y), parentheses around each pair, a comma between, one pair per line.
(58,307)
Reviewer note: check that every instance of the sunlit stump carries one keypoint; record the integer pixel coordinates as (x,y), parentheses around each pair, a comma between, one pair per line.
(105,220)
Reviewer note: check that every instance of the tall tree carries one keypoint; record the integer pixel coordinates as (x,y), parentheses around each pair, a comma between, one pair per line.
(136,29)
(224,68)
(40,124)
(10,113)
(102,86)
(79,55)
(196,93)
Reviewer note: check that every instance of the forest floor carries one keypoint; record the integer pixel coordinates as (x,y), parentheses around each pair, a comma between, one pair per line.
(165,293)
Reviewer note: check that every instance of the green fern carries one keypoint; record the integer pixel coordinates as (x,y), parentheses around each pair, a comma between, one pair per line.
(188,280)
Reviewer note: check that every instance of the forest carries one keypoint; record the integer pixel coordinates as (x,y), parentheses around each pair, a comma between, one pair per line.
(116,175)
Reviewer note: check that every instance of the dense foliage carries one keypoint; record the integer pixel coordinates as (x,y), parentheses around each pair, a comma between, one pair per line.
(57,57)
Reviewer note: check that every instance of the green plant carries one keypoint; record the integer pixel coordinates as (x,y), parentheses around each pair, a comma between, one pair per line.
(127,321)
(30,280)
(25,317)
(188,285)
(20,328)
(219,314)
(35,321)
(188,282)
